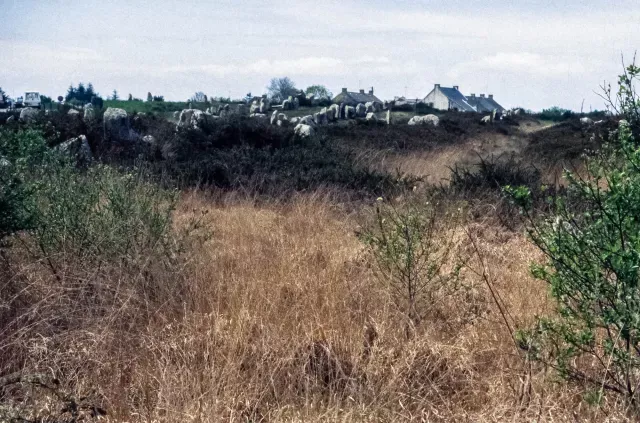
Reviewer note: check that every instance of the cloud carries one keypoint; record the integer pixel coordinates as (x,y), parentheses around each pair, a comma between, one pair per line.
(522,63)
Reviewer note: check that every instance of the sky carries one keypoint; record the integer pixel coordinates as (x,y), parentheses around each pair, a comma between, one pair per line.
(532,54)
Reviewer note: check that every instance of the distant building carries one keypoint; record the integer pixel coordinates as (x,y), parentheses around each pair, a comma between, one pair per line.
(444,98)
(352,99)
(484,104)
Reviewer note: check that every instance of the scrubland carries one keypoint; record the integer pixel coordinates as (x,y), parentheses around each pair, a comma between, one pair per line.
(248,294)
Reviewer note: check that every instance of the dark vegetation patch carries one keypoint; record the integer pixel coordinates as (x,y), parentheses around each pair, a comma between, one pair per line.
(567,141)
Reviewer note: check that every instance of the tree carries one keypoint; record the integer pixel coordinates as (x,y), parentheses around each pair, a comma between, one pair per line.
(130,98)
(158,98)
(318,91)
(149,97)
(591,239)
(114,96)
(3,96)
(198,97)
(281,88)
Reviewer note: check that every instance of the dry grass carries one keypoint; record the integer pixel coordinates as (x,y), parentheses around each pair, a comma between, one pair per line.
(279,317)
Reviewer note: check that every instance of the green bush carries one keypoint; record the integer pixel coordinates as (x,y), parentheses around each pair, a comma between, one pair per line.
(24,161)
(593,271)
(592,243)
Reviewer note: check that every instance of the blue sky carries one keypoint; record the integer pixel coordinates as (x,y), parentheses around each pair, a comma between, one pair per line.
(533,54)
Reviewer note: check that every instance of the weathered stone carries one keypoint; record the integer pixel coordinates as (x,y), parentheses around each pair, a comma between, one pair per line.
(432,120)
(73,112)
(349,112)
(116,125)
(388,119)
(195,119)
(258,115)
(485,120)
(308,120)
(334,112)
(255,107)
(89,113)
(361,110)
(265,105)
(303,131)
(28,114)
(370,107)
(321,117)
(296,103)
(341,113)
(294,121)
(274,117)
(585,121)
(287,105)
(176,115)
(372,117)
(78,148)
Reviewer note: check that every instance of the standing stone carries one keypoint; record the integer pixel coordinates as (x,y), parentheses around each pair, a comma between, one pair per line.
(308,120)
(334,110)
(28,114)
(388,119)
(265,105)
(360,110)
(77,148)
(255,107)
(342,113)
(321,117)
(274,117)
(349,112)
(287,105)
(296,103)
(116,125)
(372,117)
(89,113)
(303,131)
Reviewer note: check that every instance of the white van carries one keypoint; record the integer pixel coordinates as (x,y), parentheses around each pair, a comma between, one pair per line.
(32,99)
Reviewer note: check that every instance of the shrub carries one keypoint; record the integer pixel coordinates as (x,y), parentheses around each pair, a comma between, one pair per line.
(592,268)
(412,247)
(494,173)
(24,159)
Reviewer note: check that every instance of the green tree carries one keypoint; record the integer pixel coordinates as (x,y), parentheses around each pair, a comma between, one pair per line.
(114,95)
(318,91)
(149,97)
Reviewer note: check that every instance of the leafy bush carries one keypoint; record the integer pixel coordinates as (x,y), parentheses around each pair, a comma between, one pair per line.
(24,161)
(592,267)
(594,257)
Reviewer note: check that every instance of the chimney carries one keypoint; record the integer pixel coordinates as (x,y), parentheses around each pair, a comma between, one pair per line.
(472,96)
(436,86)
(371,91)
(490,95)
(344,90)
(361,91)
(455,87)
(482,95)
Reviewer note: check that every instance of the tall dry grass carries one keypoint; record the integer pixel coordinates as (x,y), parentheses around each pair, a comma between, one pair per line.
(272,312)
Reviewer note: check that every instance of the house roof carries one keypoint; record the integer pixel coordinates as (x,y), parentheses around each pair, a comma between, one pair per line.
(459,101)
(484,104)
(359,97)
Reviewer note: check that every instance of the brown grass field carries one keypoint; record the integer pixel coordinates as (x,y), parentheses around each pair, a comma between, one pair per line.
(273,311)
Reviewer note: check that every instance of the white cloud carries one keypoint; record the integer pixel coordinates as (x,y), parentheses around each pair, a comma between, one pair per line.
(522,63)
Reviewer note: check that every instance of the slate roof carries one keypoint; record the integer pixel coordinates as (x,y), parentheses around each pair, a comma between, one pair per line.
(484,104)
(458,100)
(357,97)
